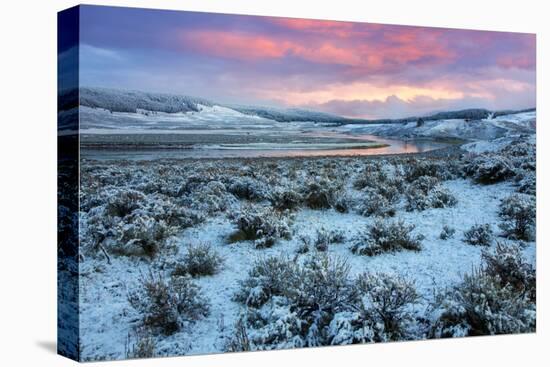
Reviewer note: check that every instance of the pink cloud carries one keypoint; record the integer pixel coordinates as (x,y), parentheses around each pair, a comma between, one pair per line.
(367,56)
(525,61)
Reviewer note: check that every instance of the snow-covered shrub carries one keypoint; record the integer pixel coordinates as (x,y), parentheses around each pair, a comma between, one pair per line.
(479,235)
(480,305)
(199,260)
(322,238)
(139,226)
(371,176)
(144,347)
(391,189)
(489,169)
(373,203)
(248,188)
(447,232)
(322,305)
(239,341)
(426,192)
(508,266)
(527,182)
(341,202)
(375,180)
(263,226)
(350,327)
(441,197)
(385,236)
(519,149)
(304,299)
(319,193)
(193,183)
(286,198)
(518,213)
(211,198)
(274,326)
(123,202)
(442,170)
(325,289)
(162,208)
(268,277)
(386,303)
(140,236)
(168,305)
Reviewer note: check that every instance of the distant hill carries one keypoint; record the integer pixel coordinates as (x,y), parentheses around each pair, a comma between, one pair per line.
(116,100)
(131,101)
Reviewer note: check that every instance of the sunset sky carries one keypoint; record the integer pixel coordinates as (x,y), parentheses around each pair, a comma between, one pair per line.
(350,69)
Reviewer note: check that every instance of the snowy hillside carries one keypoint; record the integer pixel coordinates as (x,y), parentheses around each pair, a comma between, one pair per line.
(126,101)
(482,129)
(204,118)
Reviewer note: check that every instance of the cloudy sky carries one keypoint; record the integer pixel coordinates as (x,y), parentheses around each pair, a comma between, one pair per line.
(350,69)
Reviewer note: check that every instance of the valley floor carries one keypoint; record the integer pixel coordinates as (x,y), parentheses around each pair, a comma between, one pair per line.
(109,322)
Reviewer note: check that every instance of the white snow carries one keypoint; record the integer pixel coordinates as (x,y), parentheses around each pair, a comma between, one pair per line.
(107,319)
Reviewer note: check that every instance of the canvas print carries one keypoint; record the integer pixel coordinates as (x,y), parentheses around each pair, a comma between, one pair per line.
(234,183)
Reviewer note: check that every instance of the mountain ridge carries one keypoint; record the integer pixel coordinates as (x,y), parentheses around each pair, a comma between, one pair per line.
(121,100)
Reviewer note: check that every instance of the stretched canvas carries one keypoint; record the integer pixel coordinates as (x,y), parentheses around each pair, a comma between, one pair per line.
(235,183)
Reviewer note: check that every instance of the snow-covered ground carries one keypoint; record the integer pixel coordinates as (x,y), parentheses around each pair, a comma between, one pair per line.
(219,191)
(98,120)
(485,129)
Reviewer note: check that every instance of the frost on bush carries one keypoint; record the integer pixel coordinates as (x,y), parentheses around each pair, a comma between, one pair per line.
(271,276)
(341,201)
(518,213)
(321,239)
(317,302)
(441,170)
(479,235)
(374,180)
(142,236)
(447,232)
(286,198)
(426,192)
(482,305)
(211,198)
(274,326)
(508,267)
(372,175)
(324,290)
(527,182)
(248,188)
(263,226)
(522,154)
(303,300)
(199,260)
(124,202)
(127,222)
(373,203)
(386,303)
(143,347)
(239,341)
(168,305)
(385,236)
(489,169)
(319,193)
(350,327)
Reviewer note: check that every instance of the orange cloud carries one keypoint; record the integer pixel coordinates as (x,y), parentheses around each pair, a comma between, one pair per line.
(362,91)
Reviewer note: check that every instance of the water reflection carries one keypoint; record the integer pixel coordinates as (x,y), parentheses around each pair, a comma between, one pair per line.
(393,147)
